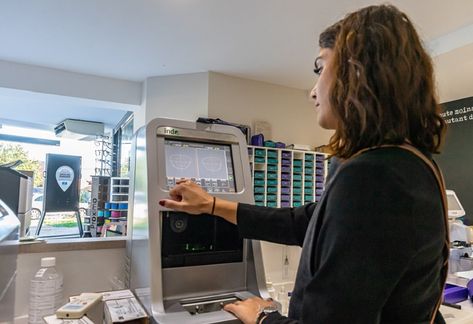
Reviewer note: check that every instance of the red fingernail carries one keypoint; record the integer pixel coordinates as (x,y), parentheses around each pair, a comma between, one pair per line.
(161,202)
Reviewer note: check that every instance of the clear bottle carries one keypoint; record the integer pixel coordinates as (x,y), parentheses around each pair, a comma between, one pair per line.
(282,298)
(270,287)
(285,268)
(45,291)
(285,264)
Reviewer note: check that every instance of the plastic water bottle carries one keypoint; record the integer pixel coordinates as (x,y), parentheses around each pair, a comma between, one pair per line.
(282,298)
(289,295)
(271,290)
(45,291)
(285,269)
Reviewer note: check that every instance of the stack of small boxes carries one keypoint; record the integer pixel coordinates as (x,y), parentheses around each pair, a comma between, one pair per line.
(286,157)
(259,176)
(272,168)
(116,210)
(319,176)
(297,172)
(308,178)
(285,177)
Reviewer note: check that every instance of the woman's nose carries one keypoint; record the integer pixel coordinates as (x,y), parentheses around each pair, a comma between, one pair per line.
(313,94)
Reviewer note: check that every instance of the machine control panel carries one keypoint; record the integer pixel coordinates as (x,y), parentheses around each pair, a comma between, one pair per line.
(208,305)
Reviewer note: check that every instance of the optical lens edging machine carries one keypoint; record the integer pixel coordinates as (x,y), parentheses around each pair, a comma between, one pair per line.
(461,236)
(185,268)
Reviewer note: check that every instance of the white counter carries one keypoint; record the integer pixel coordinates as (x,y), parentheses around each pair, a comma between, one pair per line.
(458,316)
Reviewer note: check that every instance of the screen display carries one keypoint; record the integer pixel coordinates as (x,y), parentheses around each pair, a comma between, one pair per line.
(208,165)
(452,203)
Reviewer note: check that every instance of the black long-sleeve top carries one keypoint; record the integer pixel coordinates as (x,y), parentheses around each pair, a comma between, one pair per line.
(371,248)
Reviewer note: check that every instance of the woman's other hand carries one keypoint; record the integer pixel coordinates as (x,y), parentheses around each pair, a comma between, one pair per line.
(248,310)
(188,197)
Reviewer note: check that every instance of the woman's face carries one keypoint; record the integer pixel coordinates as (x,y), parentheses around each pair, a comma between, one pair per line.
(320,92)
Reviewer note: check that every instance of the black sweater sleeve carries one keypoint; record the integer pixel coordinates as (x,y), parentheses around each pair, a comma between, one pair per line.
(278,225)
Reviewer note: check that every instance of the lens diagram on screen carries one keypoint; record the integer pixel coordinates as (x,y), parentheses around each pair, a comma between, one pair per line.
(180,162)
(212,164)
(209,165)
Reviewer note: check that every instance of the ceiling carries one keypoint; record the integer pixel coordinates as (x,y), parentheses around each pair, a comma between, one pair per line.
(40,111)
(267,40)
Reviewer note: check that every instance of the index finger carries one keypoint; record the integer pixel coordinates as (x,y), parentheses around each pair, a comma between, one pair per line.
(176,191)
(182,180)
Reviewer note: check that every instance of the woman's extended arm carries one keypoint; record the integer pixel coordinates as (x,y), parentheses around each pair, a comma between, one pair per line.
(278,225)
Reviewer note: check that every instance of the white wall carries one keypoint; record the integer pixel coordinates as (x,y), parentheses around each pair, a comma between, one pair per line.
(288,110)
(139,116)
(177,96)
(84,271)
(273,259)
(68,84)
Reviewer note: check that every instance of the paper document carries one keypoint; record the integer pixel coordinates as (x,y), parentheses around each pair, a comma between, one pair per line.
(54,320)
(465,274)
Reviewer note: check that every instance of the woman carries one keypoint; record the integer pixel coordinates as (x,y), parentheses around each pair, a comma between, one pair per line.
(374,248)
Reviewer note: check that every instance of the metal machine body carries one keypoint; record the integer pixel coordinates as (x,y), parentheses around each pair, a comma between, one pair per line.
(185,268)
(9,235)
(16,192)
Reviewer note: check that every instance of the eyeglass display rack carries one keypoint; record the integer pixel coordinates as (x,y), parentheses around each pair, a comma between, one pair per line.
(95,218)
(117,207)
(285,177)
(103,153)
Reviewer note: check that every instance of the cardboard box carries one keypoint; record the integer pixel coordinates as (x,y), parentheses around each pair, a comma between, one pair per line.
(119,306)
(126,310)
(54,320)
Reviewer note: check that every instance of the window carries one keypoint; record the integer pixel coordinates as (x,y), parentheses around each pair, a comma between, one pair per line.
(122,139)
(31,147)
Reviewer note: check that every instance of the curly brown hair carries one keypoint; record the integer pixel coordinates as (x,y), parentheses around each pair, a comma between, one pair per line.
(384,89)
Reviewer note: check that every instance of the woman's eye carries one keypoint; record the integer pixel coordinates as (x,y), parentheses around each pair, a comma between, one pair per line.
(318,70)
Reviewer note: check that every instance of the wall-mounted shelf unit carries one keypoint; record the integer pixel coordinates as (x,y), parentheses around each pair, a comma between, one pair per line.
(118,207)
(285,177)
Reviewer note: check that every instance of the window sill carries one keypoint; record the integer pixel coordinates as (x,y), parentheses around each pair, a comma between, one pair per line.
(59,245)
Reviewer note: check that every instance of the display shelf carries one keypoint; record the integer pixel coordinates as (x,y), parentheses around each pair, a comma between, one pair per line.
(285,177)
(116,223)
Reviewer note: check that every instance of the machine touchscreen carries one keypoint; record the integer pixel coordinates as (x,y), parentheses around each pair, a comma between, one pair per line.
(209,165)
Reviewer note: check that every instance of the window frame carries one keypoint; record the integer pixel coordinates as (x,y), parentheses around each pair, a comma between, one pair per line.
(117,143)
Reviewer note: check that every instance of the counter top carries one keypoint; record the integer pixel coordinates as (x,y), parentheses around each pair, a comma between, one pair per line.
(56,245)
(458,316)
